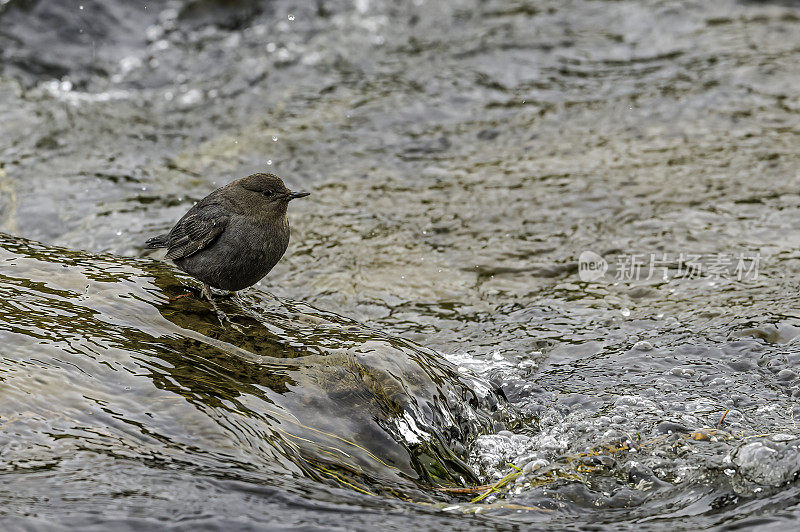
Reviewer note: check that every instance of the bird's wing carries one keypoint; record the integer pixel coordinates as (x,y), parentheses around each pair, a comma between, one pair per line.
(197,229)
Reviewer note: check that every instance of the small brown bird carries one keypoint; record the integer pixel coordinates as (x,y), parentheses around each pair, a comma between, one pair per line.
(234,236)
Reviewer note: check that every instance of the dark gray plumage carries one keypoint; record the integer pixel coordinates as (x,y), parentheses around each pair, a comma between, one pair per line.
(234,236)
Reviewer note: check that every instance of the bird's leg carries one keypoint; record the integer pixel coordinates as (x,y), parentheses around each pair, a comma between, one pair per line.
(221,316)
(207,291)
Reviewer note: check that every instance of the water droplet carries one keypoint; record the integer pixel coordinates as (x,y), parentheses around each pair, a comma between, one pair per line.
(236,141)
(80,7)
(269,162)
(274,138)
(625,312)
(291,17)
(119,233)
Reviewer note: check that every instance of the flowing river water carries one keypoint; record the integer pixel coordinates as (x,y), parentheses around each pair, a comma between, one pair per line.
(551,247)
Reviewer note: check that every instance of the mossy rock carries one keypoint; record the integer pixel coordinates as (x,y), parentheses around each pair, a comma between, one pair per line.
(273,386)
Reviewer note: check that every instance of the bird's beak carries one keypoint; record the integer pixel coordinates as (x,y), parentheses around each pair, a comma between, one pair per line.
(295,195)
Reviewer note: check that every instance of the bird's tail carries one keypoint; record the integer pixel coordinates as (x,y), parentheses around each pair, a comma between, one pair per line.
(159,241)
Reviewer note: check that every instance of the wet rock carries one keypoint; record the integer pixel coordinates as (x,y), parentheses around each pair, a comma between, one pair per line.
(670,427)
(742,365)
(533,465)
(270,382)
(624,498)
(767,463)
(781,333)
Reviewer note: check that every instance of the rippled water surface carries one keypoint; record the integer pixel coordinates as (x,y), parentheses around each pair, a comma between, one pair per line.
(429,333)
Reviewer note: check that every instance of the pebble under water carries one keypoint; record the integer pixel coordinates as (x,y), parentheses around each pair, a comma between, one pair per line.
(461,304)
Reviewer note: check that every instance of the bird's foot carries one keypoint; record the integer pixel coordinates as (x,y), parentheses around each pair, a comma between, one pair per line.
(221,316)
(224,319)
(180,297)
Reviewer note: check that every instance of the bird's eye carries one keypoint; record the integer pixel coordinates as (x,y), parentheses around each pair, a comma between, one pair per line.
(267,193)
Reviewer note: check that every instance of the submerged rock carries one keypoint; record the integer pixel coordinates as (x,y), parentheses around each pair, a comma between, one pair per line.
(100,358)
(763,464)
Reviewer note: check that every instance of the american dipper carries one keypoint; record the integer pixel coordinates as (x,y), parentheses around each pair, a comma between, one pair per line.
(234,236)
